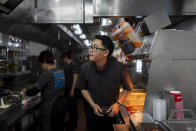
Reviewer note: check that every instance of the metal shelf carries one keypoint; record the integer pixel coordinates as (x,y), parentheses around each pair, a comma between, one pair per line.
(3,67)
(3,60)
(17,49)
(145,49)
(4,75)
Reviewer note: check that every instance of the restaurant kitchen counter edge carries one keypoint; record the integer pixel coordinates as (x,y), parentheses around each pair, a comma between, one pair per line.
(17,111)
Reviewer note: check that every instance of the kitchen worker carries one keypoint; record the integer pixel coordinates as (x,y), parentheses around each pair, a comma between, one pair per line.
(99,81)
(51,84)
(70,70)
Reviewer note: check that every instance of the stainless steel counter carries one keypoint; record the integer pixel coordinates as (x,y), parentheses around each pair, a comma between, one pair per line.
(15,112)
(4,75)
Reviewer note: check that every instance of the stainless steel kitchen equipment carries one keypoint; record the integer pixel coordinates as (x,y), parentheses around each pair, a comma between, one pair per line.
(173,67)
(59,11)
(142,7)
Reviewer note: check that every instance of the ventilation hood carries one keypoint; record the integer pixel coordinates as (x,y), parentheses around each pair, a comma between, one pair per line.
(6,6)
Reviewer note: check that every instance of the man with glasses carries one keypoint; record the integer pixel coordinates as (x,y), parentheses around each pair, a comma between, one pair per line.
(99,81)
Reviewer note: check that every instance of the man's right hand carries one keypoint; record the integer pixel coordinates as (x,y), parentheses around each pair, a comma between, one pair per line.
(96,107)
(97,110)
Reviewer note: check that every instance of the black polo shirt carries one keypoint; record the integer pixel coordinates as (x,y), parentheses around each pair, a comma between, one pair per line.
(69,71)
(104,85)
(51,83)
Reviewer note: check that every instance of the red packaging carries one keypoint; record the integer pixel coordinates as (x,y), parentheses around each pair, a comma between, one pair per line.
(178,104)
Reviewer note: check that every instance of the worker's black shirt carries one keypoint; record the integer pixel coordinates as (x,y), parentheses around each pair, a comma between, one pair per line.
(69,70)
(51,83)
(104,85)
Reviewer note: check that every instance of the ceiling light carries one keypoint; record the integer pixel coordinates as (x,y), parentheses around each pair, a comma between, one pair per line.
(83,36)
(10,43)
(78,31)
(103,22)
(103,33)
(106,21)
(87,43)
(139,17)
(16,45)
(75,27)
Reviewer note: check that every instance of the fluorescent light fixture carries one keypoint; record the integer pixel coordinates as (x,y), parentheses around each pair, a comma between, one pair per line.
(139,17)
(16,45)
(10,43)
(75,27)
(103,33)
(57,0)
(139,66)
(106,21)
(83,36)
(78,31)
(70,34)
(87,43)
(103,22)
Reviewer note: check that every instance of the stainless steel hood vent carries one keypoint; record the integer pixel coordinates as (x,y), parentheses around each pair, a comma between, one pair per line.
(6,6)
(59,11)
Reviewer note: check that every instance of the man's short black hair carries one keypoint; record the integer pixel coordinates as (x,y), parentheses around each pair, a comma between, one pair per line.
(106,42)
(46,57)
(67,54)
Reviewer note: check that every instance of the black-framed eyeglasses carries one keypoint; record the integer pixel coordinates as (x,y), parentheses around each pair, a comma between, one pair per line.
(94,48)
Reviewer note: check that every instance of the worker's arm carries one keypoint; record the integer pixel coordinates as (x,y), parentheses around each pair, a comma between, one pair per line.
(95,106)
(32,92)
(82,84)
(115,107)
(127,87)
(75,77)
(39,85)
(123,96)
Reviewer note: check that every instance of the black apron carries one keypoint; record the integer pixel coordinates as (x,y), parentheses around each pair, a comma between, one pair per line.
(46,109)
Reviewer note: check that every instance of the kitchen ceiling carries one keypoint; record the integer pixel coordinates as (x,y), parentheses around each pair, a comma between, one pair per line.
(21,23)
(93,29)
(47,34)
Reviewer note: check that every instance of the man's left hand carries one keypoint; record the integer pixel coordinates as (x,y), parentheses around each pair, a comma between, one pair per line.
(113,110)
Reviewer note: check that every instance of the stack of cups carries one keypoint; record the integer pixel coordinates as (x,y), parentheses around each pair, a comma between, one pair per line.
(159,110)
